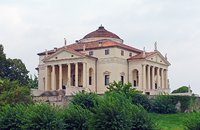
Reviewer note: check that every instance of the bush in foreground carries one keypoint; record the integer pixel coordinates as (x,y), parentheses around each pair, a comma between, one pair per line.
(84,99)
(12,117)
(42,116)
(143,100)
(136,96)
(115,111)
(74,117)
(192,122)
(163,103)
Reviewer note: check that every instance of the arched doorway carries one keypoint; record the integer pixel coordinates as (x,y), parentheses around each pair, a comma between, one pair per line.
(135,79)
(91,76)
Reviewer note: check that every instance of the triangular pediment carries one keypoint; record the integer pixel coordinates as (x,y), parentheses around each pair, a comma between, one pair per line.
(62,55)
(158,58)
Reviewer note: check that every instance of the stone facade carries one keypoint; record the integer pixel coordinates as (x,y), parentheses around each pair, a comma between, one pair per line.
(101,57)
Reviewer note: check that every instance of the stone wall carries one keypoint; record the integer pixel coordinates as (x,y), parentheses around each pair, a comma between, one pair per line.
(59,100)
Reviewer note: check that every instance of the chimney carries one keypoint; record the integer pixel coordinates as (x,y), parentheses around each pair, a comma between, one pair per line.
(100,44)
(76,41)
(55,49)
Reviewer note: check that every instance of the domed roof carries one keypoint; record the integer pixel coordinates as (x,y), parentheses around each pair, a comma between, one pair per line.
(101,32)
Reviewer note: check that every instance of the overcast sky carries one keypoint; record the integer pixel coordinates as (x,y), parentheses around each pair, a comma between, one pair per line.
(30,27)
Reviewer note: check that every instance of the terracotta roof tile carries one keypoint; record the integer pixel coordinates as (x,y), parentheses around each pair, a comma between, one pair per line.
(101,32)
(94,45)
(70,49)
(104,43)
(140,56)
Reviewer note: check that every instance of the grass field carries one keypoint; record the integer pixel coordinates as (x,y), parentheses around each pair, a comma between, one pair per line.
(169,121)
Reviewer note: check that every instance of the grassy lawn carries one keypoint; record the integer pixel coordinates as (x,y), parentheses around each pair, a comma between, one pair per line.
(169,121)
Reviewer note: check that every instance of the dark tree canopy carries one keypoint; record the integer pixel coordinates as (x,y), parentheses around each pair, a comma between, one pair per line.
(13,69)
(183,89)
(3,63)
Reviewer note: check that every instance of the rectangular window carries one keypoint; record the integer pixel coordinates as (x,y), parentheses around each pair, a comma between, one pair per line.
(90,52)
(107,52)
(135,83)
(130,54)
(90,80)
(106,79)
(122,79)
(122,52)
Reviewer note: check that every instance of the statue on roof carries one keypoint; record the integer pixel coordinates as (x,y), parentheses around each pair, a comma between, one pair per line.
(144,53)
(189,89)
(155,44)
(46,52)
(65,42)
(166,56)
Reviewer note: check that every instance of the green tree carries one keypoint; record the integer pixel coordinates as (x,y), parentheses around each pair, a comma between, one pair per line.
(3,62)
(12,92)
(33,82)
(183,89)
(13,69)
(136,96)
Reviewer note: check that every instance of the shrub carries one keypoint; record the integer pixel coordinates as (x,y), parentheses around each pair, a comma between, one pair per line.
(84,99)
(184,100)
(115,111)
(126,88)
(74,117)
(192,122)
(163,103)
(143,100)
(42,116)
(183,89)
(11,117)
(136,96)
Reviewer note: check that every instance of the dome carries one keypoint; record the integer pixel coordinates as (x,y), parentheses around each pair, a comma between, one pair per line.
(101,32)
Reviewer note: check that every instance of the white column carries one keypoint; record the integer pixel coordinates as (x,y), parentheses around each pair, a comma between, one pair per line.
(76,74)
(60,76)
(166,77)
(84,74)
(53,78)
(158,78)
(144,77)
(69,74)
(148,77)
(162,78)
(153,77)
(46,77)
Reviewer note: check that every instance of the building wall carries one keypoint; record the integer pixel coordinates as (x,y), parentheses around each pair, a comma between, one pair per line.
(114,67)
(114,64)
(113,52)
